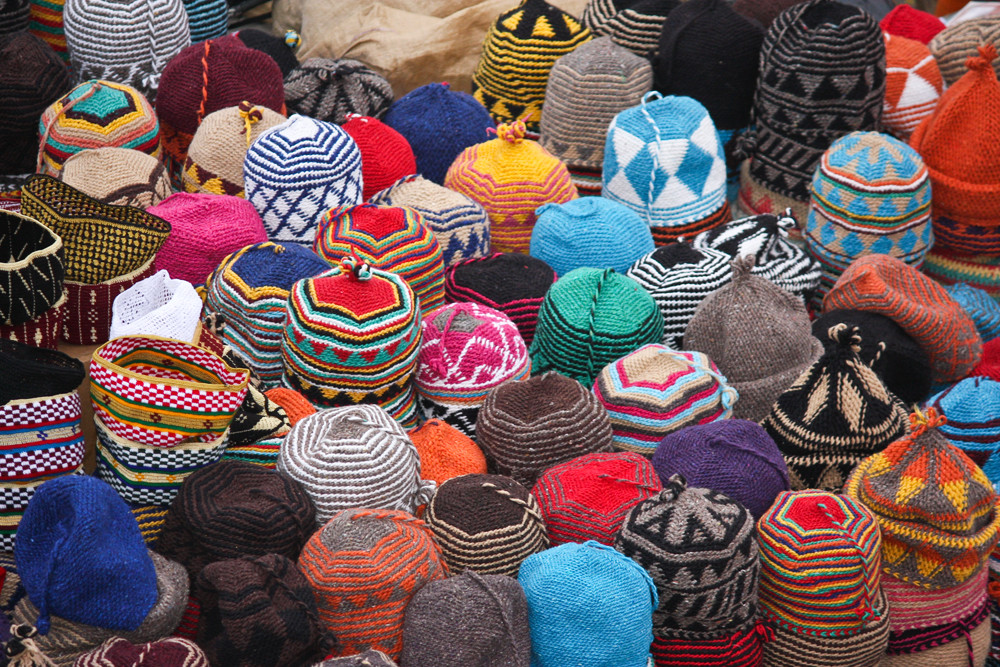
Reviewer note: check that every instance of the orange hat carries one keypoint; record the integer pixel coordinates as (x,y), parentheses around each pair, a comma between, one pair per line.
(295,404)
(446,452)
(913,85)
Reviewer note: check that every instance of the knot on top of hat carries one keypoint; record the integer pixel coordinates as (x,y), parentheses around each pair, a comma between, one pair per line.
(512,132)
(987,54)
(742,266)
(250,114)
(845,336)
(292,39)
(21,649)
(353,266)
(675,486)
(921,422)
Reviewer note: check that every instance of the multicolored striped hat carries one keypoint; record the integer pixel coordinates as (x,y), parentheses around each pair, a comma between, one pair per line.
(47,24)
(352,336)
(948,268)
(656,390)
(981,307)
(970,408)
(388,238)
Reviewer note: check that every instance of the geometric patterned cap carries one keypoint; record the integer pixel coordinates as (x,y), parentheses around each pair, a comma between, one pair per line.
(913,85)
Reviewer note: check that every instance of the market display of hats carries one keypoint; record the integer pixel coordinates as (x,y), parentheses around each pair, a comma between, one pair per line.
(909,22)
(159,306)
(386,155)
(119,176)
(633,24)
(445,452)
(980,306)
(913,85)
(330,89)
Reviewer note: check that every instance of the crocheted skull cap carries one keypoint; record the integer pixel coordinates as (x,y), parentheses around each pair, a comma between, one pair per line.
(445,452)
(331,89)
(118,176)
(968,407)
(386,155)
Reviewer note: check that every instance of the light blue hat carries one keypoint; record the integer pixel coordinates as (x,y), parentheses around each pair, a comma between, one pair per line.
(981,307)
(972,409)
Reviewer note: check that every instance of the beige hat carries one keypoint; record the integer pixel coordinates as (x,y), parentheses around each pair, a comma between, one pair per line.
(122,176)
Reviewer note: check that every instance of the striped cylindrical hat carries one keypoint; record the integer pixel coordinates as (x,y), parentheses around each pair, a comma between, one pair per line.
(633,24)
(207,19)
(913,85)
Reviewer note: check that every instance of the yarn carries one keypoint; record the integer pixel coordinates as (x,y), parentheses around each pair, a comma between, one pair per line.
(386,156)
(331,89)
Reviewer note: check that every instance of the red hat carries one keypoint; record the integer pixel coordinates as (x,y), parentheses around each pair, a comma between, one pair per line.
(386,155)
(906,21)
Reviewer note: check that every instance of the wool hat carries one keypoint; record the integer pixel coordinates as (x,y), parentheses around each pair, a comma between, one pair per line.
(980,306)
(125,42)
(352,336)
(159,306)
(388,238)
(460,225)
(45,331)
(259,427)
(909,22)
(663,159)
(735,457)
(118,176)
(958,42)
(207,19)
(513,283)
(969,408)
(31,78)
(31,372)
(466,351)
(526,427)
(295,405)
(330,89)
(633,24)
(259,612)
(369,658)
(486,524)
(386,155)
(445,452)
(886,285)
(587,88)
(870,195)
(354,456)
(298,170)
(588,498)
(280,48)
(588,605)
(948,267)
(511,177)
(896,358)
(519,50)
(93,115)
(591,231)
(15,16)
(913,85)
(214,162)
(758,336)
(364,567)
(167,652)
(820,581)
(588,319)
(941,530)
(32,268)
(655,391)
(762,11)
(250,288)
(47,24)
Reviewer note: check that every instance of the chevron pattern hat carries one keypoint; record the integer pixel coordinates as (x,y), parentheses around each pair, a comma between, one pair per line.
(331,89)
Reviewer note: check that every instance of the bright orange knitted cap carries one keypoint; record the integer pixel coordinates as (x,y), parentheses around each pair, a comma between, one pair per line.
(446,452)
(295,404)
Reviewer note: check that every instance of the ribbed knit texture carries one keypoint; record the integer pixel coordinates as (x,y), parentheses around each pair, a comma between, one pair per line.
(913,85)
(980,271)
(445,452)
(118,176)
(954,45)
(386,155)
(909,23)
(742,648)
(47,24)
(168,652)
(980,306)
(207,19)
(15,16)
(330,89)
(32,270)
(633,24)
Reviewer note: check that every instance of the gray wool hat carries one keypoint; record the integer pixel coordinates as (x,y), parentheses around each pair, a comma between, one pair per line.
(370,658)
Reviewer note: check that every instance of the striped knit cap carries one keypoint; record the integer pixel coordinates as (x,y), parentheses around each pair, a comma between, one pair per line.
(207,19)
(512,283)
(886,285)
(445,452)
(656,390)
(510,177)
(820,581)
(837,413)
(467,350)
(910,23)
(386,156)
(633,24)
(948,267)
(117,176)
(936,508)
(93,115)
(352,336)
(47,24)
(527,427)
(364,567)
(486,524)
(913,85)
(970,408)
(587,88)
(15,16)
(590,318)
(461,226)
(168,652)
(355,456)
(664,160)
(871,194)
(214,163)
(589,497)
(250,290)
(954,45)
(125,42)
(332,89)
(388,238)
(297,171)
(980,306)
(520,49)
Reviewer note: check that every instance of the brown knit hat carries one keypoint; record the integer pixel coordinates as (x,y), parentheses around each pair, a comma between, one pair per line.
(960,41)
(120,176)
(759,337)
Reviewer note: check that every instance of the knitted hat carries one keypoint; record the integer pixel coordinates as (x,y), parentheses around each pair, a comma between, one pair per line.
(93,115)
(486,617)
(634,24)
(656,390)
(330,90)
(214,163)
(364,567)
(386,156)
(589,497)
(445,452)
(520,49)
(870,195)
(467,350)
(590,318)
(118,176)
(250,290)
(591,231)
(935,507)
(529,426)
(486,523)
(948,267)
(980,306)
(954,45)
(159,306)
(587,88)
(758,336)
(258,428)
(913,84)
(125,42)
(259,612)
(369,658)
(819,581)
(32,372)
(168,652)
(910,23)
(762,11)
(45,331)
(678,191)
(388,238)
(31,268)
(884,284)
(588,605)
(280,48)
(439,123)
(15,16)
(31,78)
(461,226)
(295,405)
(297,171)
(47,24)
(512,283)
(510,177)
(735,457)
(969,407)
(354,457)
